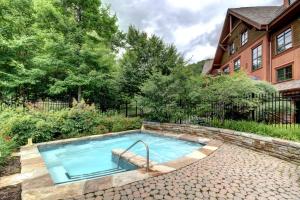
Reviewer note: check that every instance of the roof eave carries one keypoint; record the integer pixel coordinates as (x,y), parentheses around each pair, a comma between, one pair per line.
(230,12)
(247,20)
(220,39)
(284,14)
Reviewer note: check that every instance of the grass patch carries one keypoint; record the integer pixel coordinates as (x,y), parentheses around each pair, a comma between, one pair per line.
(283,132)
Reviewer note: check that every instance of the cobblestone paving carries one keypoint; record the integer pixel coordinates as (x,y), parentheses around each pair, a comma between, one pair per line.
(230,173)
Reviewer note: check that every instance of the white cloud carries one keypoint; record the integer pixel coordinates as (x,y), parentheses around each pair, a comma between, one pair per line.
(200,52)
(192,25)
(193,5)
(184,35)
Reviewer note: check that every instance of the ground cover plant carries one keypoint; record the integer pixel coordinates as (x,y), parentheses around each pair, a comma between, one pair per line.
(289,132)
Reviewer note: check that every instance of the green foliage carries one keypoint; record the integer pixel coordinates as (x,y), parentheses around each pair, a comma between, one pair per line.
(158,97)
(59,48)
(285,131)
(23,128)
(82,119)
(172,97)
(65,49)
(223,88)
(17,48)
(144,56)
(119,123)
(227,90)
(197,67)
(6,148)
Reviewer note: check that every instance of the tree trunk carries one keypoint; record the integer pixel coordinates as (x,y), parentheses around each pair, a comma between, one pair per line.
(78,16)
(79,94)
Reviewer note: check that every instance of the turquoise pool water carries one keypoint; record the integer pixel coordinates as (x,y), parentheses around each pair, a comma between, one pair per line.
(92,156)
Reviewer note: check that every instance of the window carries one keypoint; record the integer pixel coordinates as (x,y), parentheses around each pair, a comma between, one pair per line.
(244,38)
(226,70)
(284,40)
(231,49)
(284,74)
(291,1)
(237,65)
(257,57)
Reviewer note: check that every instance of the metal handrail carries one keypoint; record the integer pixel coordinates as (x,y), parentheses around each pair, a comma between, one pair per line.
(147,149)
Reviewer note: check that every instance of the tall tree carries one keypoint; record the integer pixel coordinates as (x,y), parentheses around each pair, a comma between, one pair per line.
(145,55)
(80,39)
(17,48)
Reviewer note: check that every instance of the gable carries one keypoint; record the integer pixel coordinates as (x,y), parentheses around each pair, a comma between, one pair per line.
(257,18)
(253,35)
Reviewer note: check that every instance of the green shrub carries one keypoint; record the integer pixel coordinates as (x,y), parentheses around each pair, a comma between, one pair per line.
(22,128)
(6,148)
(44,131)
(121,123)
(100,129)
(18,124)
(284,132)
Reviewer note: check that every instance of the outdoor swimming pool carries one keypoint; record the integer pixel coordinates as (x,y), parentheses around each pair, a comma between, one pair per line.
(90,158)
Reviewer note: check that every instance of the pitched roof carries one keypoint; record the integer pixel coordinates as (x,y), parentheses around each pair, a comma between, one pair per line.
(262,15)
(262,18)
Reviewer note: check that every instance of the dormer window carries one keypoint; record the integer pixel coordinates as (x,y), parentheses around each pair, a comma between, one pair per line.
(231,49)
(244,37)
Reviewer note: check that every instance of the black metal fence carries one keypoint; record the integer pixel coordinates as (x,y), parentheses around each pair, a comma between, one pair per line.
(131,109)
(43,105)
(278,109)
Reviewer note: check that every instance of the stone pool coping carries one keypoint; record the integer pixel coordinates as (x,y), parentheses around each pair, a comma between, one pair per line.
(38,183)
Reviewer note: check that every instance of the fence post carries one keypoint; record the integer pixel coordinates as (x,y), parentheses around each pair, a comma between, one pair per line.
(252,111)
(180,103)
(136,109)
(126,109)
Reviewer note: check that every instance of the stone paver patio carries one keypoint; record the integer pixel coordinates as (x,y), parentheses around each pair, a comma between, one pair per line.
(231,172)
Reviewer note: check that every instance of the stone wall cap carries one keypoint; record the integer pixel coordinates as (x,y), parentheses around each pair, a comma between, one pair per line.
(148,122)
(286,142)
(229,131)
(211,128)
(232,132)
(254,136)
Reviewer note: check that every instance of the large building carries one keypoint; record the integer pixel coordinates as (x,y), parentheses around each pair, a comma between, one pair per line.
(264,42)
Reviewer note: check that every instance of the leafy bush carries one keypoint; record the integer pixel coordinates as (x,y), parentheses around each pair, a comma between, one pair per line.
(81,118)
(121,123)
(18,125)
(169,98)
(289,133)
(6,148)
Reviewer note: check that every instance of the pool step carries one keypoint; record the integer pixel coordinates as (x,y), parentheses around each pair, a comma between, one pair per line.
(96,174)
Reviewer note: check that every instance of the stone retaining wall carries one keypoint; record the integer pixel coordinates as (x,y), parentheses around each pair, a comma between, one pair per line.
(283,149)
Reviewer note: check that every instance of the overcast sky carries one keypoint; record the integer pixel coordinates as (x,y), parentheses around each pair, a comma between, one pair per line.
(192,25)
